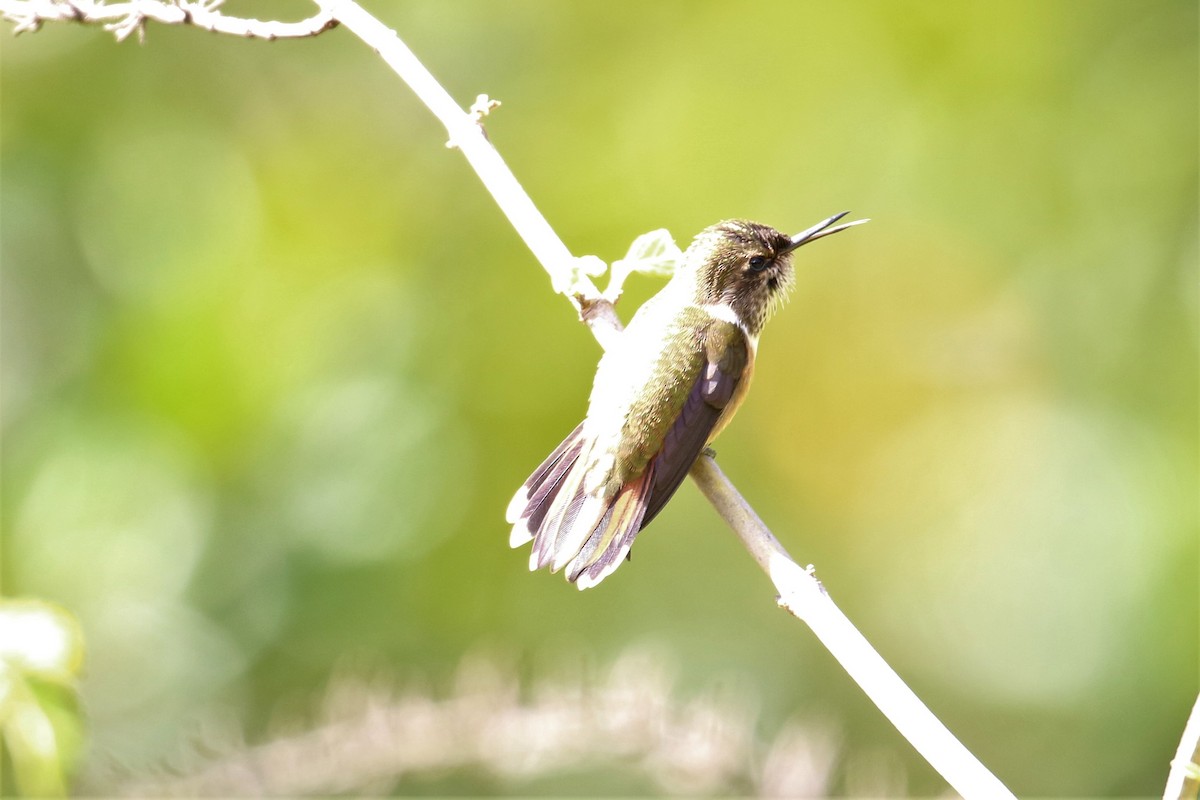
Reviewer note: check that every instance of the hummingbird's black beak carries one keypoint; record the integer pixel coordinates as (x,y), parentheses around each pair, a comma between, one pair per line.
(822,229)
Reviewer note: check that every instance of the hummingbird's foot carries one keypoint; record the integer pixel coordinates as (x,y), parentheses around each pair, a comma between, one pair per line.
(708,451)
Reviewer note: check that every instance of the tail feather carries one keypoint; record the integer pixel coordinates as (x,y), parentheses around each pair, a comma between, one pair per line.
(587,531)
(559,508)
(588,549)
(543,498)
(610,541)
(528,506)
(558,458)
(574,532)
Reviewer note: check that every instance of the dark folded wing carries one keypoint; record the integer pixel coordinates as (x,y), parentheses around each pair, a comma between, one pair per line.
(725,358)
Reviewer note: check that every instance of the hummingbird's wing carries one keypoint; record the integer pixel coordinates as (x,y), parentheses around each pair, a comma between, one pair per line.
(589,531)
(529,506)
(721,367)
(714,394)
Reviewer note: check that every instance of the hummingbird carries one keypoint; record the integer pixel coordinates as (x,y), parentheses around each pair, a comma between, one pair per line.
(665,389)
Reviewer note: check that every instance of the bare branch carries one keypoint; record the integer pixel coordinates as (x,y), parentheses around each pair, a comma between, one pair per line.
(803,596)
(123,19)
(568,275)
(1184,778)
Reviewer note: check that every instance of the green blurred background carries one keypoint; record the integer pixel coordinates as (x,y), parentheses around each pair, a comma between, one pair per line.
(274,363)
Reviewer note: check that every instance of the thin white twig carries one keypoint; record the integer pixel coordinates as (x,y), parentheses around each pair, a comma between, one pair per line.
(123,19)
(1184,778)
(566,272)
(803,596)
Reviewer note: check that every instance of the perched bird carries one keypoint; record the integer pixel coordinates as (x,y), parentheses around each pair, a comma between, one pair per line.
(667,387)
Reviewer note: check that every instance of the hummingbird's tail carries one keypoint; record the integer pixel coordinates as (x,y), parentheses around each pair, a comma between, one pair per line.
(587,531)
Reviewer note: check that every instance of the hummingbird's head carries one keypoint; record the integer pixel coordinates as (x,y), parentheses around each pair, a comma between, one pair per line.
(748,266)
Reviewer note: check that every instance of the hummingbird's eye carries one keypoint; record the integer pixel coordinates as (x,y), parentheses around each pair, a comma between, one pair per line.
(758,263)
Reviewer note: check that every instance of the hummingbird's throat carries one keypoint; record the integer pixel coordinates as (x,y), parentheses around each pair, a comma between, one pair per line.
(756,301)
